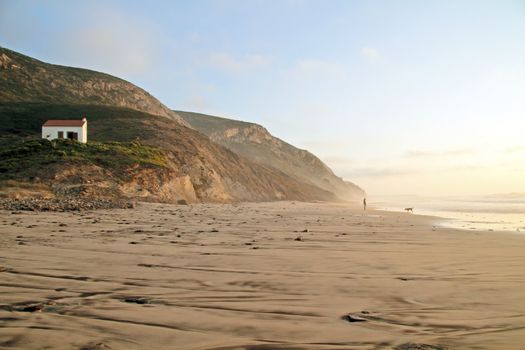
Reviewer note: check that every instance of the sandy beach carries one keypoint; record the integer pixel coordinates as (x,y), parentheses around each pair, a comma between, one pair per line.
(278,275)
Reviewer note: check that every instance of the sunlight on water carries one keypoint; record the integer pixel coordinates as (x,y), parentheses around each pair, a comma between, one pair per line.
(484,213)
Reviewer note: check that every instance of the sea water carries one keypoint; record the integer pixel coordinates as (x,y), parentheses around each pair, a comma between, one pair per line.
(503,212)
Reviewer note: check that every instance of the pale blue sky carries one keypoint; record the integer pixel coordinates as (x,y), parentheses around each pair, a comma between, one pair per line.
(422,97)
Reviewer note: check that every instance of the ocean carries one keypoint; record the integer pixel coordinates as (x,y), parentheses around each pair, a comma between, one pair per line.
(501,212)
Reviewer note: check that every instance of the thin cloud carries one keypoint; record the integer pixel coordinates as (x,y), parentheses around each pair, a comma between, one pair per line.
(318,68)
(467,167)
(435,154)
(196,102)
(370,53)
(109,49)
(195,37)
(232,64)
(338,160)
(516,149)
(380,172)
(113,41)
(325,145)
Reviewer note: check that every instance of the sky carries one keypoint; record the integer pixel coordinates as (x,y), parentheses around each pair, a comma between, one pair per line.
(400,97)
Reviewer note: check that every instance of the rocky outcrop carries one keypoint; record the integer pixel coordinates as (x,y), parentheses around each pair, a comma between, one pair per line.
(257,144)
(62,204)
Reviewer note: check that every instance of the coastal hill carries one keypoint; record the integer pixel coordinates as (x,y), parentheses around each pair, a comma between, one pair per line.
(194,168)
(25,79)
(255,143)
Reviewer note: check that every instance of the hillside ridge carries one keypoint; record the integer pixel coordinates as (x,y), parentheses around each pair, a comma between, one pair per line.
(26,79)
(256,143)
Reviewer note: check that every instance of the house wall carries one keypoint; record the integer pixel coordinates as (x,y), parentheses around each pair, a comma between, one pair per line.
(51,132)
(84,133)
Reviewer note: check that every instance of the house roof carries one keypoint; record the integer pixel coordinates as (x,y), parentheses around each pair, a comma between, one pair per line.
(65,122)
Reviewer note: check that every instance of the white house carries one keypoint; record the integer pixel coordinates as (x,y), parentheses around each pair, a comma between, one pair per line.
(73,129)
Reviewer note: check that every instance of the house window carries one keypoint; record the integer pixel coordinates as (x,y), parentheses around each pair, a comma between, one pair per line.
(60,134)
(72,135)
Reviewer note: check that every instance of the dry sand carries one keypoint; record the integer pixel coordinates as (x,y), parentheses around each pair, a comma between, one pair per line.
(247,277)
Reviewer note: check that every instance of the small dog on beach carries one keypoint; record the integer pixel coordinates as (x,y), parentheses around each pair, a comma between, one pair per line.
(409,210)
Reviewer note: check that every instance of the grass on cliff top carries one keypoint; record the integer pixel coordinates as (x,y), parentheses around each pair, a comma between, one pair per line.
(21,157)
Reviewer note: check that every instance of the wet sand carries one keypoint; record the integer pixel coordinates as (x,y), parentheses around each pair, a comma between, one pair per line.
(256,276)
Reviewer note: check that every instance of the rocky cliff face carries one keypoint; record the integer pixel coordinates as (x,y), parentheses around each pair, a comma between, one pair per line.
(25,79)
(257,144)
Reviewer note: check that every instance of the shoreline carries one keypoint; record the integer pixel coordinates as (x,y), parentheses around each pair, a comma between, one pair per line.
(496,213)
(472,221)
(276,275)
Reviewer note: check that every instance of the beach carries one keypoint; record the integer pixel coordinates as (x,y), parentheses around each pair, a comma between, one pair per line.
(280,275)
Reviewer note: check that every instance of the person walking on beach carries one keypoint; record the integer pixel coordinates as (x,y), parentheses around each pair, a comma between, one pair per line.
(364,203)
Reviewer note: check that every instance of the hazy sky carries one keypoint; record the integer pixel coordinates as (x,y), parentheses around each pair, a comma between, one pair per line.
(401,97)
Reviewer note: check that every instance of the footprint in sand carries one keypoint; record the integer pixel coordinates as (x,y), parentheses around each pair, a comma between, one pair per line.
(414,346)
(136,300)
(353,318)
(96,346)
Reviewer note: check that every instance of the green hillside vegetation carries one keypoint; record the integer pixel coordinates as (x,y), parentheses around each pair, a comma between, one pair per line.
(111,124)
(105,123)
(26,159)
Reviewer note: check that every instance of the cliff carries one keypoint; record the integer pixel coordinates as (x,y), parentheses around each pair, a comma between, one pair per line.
(257,144)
